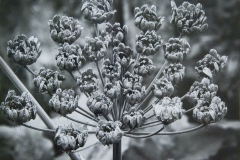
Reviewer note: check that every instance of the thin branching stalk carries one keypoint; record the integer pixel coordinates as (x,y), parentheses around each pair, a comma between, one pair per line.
(157,76)
(92,118)
(29,70)
(156,121)
(38,129)
(81,122)
(148,126)
(146,98)
(82,149)
(90,114)
(172,133)
(145,136)
(150,116)
(99,72)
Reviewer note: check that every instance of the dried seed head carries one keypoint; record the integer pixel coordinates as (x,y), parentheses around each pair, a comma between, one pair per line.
(134,119)
(24,51)
(97,11)
(210,112)
(67,138)
(64,102)
(69,57)
(174,73)
(99,104)
(109,132)
(112,91)
(134,96)
(113,34)
(168,110)
(175,50)
(211,64)
(188,18)
(18,109)
(144,67)
(48,81)
(123,55)
(111,71)
(201,91)
(64,29)
(162,88)
(148,43)
(132,81)
(146,18)
(87,81)
(94,49)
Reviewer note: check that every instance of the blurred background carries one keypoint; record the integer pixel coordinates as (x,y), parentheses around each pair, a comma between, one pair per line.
(220,141)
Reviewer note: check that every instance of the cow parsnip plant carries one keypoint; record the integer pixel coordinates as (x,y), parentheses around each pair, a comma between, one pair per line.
(116,108)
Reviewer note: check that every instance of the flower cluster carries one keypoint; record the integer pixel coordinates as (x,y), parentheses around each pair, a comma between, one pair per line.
(175,50)
(18,109)
(112,91)
(97,11)
(69,57)
(209,113)
(123,55)
(203,91)
(134,96)
(111,71)
(64,29)
(188,18)
(24,51)
(94,49)
(144,67)
(68,138)
(99,104)
(87,81)
(174,73)
(168,110)
(162,88)
(64,102)
(47,80)
(211,64)
(109,132)
(134,92)
(113,34)
(146,18)
(132,81)
(148,43)
(134,119)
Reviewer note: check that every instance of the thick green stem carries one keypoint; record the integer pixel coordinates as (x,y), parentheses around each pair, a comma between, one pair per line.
(42,114)
(117,149)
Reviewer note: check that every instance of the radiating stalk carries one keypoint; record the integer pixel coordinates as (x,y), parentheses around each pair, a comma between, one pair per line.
(81,122)
(99,72)
(171,133)
(29,70)
(38,129)
(158,74)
